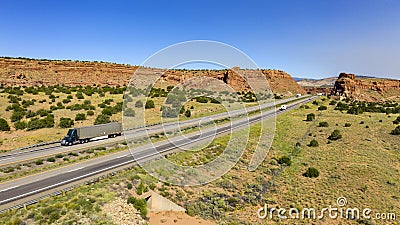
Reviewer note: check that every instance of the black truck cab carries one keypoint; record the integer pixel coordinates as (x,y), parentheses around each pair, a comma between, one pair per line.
(71,138)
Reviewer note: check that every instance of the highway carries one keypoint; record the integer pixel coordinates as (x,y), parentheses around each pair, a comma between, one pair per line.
(23,188)
(17,157)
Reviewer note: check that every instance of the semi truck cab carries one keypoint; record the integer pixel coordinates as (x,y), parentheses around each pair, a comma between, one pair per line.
(71,137)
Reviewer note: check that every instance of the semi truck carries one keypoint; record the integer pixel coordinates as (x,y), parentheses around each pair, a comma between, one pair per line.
(85,134)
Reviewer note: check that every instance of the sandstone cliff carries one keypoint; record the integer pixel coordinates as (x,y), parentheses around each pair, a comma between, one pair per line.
(18,71)
(366,89)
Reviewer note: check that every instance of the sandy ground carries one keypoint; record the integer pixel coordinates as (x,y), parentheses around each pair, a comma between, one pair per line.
(175,218)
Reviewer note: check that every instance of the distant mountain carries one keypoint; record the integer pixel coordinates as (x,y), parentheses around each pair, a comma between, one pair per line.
(298,78)
(326,82)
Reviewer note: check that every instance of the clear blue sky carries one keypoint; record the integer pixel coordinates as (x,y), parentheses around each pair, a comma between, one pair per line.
(305,38)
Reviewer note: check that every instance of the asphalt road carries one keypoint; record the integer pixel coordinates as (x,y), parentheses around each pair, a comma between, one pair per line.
(38,183)
(22,156)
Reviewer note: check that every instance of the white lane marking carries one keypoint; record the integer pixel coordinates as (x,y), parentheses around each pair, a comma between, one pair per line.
(7,158)
(121,156)
(75,169)
(9,188)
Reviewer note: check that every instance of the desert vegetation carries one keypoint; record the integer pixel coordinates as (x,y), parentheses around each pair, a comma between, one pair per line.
(291,175)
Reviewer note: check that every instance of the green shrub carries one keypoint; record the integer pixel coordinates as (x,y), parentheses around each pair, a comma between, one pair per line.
(139,204)
(396,131)
(4,125)
(310,117)
(188,113)
(17,115)
(397,121)
(90,113)
(313,143)
(59,156)
(80,116)
(323,124)
(129,112)
(13,99)
(149,104)
(335,135)
(9,169)
(129,186)
(42,112)
(285,160)
(39,162)
(30,114)
(140,188)
(20,125)
(311,173)
(347,125)
(101,119)
(333,102)
(138,104)
(51,159)
(66,122)
(108,111)
(36,123)
(102,105)
(79,95)
(322,107)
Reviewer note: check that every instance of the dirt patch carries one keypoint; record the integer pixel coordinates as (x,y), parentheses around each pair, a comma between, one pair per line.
(176,218)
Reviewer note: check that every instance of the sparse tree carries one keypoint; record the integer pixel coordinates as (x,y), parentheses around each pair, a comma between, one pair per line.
(4,125)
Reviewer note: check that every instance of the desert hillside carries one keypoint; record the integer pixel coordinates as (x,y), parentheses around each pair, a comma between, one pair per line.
(324,83)
(28,72)
(366,89)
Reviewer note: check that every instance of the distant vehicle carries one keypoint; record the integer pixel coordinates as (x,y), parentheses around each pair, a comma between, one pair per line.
(319,94)
(298,95)
(85,134)
(283,107)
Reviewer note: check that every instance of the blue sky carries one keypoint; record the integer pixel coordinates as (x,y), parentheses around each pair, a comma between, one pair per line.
(305,38)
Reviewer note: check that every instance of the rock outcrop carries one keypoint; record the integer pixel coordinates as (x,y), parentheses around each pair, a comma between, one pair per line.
(366,89)
(28,72)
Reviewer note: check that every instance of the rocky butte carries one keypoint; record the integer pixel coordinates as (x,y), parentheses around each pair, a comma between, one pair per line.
(28,72)
(366,89)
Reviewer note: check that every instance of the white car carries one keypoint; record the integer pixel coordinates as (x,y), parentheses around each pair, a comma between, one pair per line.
(283,107)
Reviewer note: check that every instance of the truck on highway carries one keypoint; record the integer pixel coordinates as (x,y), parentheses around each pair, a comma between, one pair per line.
(282,108)
(85,134)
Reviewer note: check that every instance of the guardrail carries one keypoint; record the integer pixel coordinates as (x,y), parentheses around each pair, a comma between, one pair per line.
(36,145)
